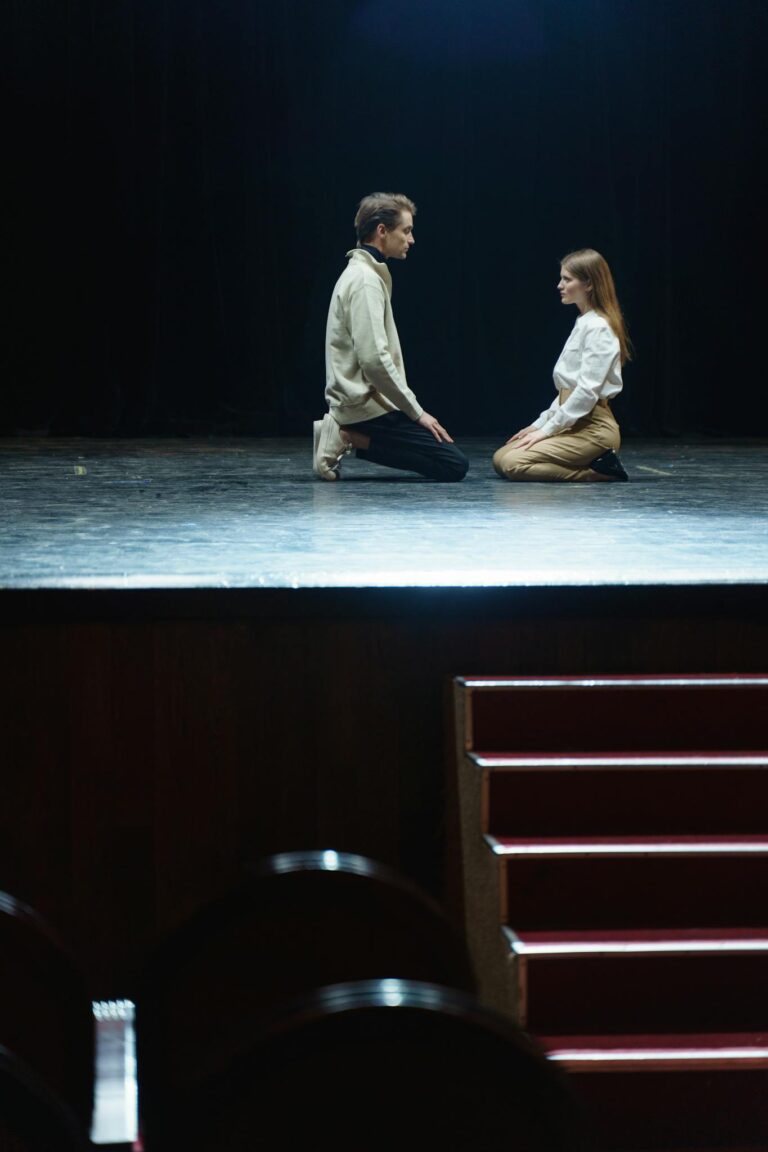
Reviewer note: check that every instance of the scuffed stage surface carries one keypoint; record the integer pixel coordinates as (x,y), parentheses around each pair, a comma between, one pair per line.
(215,513)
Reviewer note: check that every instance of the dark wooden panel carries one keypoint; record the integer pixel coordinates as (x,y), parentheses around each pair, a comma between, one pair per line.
(153,741)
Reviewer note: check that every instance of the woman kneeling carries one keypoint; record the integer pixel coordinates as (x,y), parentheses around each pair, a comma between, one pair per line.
(577,437)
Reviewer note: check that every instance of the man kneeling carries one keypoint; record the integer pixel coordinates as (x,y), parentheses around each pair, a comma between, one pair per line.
(372,410)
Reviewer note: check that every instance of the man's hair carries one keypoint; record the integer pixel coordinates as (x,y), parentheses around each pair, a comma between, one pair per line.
(381,208)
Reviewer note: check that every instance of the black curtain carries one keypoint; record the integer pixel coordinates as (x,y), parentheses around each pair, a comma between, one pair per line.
(181,177)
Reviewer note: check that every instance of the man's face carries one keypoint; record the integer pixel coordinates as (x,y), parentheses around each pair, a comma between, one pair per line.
(396,242)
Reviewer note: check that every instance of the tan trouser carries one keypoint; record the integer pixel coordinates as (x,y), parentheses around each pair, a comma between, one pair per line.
(567,455)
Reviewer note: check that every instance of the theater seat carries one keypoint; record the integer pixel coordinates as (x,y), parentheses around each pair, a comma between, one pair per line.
(297,921)
(32,1118)
(46,1021)
(375,1066)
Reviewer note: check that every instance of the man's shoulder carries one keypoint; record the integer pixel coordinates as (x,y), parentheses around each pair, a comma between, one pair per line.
(362,270)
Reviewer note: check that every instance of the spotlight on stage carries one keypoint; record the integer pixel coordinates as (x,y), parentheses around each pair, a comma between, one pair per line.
(451,31)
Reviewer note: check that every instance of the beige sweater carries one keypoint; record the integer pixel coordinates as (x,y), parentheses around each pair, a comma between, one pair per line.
(364,371)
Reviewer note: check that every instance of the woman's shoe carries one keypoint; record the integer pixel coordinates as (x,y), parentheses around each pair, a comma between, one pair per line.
(609,465)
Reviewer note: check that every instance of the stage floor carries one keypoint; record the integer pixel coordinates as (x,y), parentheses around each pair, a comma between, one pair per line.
(216,513)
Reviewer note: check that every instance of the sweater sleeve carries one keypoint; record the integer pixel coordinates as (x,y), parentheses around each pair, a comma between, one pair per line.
(599,354)
(369,337)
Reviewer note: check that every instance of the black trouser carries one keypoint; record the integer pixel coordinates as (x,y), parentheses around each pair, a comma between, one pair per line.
(399,442)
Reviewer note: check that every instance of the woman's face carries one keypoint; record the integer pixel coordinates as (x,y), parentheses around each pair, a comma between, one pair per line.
(573,291)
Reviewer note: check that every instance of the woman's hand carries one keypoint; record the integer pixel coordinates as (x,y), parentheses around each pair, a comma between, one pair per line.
(527,437)
(522,432)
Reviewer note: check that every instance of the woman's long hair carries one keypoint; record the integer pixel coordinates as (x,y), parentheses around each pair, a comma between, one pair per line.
(591,268)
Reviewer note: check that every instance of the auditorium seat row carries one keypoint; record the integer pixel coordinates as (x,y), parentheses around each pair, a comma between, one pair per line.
(46,1037)
(615,873)
(324,1000)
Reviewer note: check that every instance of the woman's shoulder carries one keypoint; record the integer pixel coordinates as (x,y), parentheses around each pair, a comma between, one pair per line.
(590,321)
(597,329)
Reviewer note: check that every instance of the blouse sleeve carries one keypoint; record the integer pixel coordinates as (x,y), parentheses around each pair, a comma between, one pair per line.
(541,420)
(599,354)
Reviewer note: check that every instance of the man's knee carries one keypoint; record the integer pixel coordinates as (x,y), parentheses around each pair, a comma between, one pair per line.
(451,466)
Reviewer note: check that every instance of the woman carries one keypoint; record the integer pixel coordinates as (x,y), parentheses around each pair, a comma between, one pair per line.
(577,437)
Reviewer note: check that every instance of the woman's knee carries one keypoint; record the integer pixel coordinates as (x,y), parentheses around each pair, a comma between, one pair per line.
(502,459)
(507,463)
(497,461)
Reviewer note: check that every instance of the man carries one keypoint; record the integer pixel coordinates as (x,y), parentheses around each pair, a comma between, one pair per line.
(372,409)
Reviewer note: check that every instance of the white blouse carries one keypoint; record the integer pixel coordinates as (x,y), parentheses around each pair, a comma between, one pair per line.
(589,368)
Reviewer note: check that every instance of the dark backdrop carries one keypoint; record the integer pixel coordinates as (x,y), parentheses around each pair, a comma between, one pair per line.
(181,177)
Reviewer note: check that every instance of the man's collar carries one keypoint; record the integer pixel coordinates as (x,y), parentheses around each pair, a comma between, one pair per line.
(369,248)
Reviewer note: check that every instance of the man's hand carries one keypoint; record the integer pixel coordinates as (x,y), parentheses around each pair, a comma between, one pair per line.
(435,427)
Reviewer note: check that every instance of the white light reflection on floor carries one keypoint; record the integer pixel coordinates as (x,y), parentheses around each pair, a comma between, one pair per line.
(249,514)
